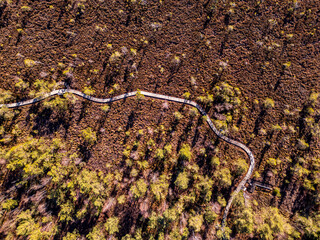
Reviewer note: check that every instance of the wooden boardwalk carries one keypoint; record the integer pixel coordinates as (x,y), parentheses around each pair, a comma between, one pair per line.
(161,97)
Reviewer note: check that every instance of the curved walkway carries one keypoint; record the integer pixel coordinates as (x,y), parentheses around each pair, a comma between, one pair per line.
(162,97)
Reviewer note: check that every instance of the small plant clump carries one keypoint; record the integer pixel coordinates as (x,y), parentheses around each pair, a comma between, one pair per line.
(139,189)
(196,222)
(185,152)
(112,225)
(5,96)
(182,180)
(105,108)
(115,57)
(178,116)
(89,136)
(88,91)
(268,103)
(302,145)
(139,95)
(29,63)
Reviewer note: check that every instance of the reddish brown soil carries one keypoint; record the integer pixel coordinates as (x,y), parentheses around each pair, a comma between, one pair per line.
(254,38)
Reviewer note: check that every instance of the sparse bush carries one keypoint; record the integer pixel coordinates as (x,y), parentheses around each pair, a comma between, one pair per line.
(302,145)
(225,234)
(308,184)
(215,161)
(210,216)
(178,116)
(276,128)
(105,108)
(222,126)
(29,62)
(112,225)
(276,192)
(176,61)
(222,201)
(159,154)
(89,136)
(139,189)
(115,57)
(96,234)
(299,171)
(171,215)
(243,215)
(140,132)
(185,152)
(6,113)
(134,172)
(182,180)
(273,162)
(268,103)
(57,103)
(5,96)
(9,204)
(150,144)
(196,222)
(193,112)
(314,97)
(224,177)
(310,226)
(273,224)
(167,149)
(88,91)
(139,95)
(208,100)
(159,188)
(224,93)
(121,199)
(241,166)
(22,84)
(186,95)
